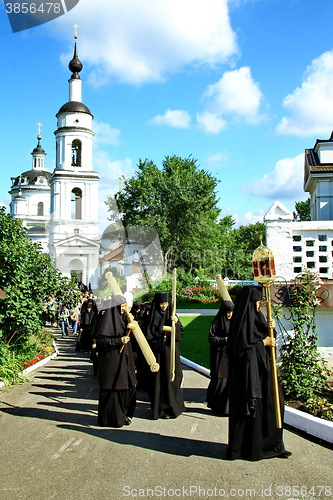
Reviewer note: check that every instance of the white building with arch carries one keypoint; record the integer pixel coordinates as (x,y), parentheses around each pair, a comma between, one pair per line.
(60,209)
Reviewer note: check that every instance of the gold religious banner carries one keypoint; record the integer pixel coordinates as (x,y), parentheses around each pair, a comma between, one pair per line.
(264,272)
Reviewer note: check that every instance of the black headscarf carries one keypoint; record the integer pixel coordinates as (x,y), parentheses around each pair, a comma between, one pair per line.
(246,349)
(113,323)
(157,317)
(247,325)
(220,324)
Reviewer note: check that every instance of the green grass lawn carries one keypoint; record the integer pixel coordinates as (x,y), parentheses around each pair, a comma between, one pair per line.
(194,344)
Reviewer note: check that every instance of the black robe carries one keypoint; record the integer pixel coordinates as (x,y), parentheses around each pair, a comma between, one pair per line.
(115,370)
(253,434)
(88,319)
(166,397)
(218,389)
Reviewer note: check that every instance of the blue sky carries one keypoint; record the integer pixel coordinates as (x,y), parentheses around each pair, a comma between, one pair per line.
(243,86)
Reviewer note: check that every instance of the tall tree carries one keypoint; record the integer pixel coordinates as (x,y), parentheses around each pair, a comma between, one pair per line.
(302,210)
(27,277)
(179,202)
(242,242)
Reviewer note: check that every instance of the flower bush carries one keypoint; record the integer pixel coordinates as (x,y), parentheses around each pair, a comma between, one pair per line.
(199,294)
(33,361)
(302,369)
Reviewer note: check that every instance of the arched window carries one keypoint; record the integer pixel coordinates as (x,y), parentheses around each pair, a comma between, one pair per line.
(76,153)
(40,208)
(76,202)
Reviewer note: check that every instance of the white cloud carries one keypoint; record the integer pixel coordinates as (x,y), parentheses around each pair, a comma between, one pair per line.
(251,218)
(110,172)
(144,41)
(286,180)
(310,107)
(211,123)
(174,118)
(236,97)
(105,134)
(216,159)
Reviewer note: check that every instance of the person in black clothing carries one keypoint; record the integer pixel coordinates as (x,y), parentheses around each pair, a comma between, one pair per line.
(115,367)
(253,434)
(218,388)
(166,397)
(87,319)
(137,311)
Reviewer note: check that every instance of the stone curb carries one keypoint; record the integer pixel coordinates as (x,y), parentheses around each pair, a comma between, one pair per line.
(314,426)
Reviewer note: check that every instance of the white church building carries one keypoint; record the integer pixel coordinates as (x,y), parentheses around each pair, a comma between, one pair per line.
(308,244)
(60,209)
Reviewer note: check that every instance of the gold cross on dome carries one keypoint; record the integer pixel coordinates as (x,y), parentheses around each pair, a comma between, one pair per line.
(75,26)
(39,125)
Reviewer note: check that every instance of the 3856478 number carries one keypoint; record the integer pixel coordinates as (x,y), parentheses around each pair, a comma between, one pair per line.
(33,8)
(315,491)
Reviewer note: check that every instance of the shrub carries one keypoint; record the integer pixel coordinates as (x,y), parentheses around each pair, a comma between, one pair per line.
(10,365)
(303,371)
(319,407)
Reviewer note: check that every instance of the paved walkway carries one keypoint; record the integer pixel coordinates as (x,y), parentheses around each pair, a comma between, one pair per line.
(51,447)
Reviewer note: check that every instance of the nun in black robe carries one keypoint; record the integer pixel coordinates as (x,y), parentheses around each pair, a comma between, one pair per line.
(253,434)
(115,367)
(218,389)
(166,397)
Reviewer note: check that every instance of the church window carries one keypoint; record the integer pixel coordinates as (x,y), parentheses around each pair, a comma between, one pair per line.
(76,203)
(40,208)
(76,153)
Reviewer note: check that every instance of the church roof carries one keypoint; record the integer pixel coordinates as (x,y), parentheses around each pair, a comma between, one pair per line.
(114,255)
(32,176)
(38,229)
(314,163)
(73,107)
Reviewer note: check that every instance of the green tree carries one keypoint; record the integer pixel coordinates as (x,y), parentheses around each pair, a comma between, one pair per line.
(27,276)
(180,203)
(302,210)
(242,242)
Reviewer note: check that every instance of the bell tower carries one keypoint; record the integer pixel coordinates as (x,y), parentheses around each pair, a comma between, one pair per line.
(74,232)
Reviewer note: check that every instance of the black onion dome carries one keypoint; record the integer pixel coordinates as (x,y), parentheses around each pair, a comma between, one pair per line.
(74,107)
(32,176)
(75,65)
(38,149)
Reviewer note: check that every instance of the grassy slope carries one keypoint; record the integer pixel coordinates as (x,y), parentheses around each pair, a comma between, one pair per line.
(194,344)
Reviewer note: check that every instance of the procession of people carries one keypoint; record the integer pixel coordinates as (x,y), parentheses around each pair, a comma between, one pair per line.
(240,386)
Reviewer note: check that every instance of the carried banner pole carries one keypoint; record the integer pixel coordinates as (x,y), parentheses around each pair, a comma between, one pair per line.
(173,326)
(264,272)
(137,332)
